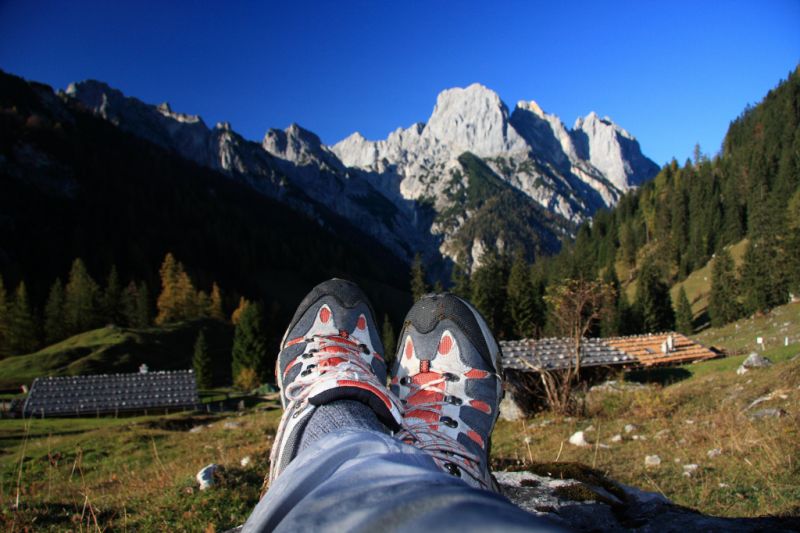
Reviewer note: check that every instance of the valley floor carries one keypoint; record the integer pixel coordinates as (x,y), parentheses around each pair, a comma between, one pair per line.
(139,473)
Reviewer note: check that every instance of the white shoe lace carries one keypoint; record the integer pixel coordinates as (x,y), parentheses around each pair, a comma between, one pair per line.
(421,434)
(319,369)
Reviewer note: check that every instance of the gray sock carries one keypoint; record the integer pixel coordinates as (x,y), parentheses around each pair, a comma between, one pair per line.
(338,415)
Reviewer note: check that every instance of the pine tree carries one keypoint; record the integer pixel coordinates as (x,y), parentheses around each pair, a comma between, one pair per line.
(135,305)
(684,315)
(143,307)
(215,305)
(250,350)
(389,341)
(419,286)
(611,321)
(653,299)
(723,303)
(203,370)
(5,349)
(792,246)
(128,302)
(22,330)
(81,298)
(54,327)
(201,307)
(489,293)
(521,299)
(460,280)
(111,308)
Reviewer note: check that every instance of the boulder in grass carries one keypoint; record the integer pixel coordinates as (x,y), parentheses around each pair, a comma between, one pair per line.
(754,360)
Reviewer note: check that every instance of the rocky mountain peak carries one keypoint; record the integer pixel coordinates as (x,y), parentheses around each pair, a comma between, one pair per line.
(300,146)
(473,119)
(530,106)
(612,150)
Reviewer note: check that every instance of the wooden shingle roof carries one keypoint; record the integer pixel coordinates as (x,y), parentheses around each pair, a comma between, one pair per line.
(640,350)
(111,393)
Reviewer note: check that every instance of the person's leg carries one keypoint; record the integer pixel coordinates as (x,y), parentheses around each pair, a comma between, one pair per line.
(363,480)
(334,467)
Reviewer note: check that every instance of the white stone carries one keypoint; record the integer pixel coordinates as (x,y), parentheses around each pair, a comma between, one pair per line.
(246,460)
(690,468)
(616,438)
(630,427)
(651,461)
(578,439)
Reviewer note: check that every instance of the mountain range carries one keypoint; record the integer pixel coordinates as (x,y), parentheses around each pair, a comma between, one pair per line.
(473,178)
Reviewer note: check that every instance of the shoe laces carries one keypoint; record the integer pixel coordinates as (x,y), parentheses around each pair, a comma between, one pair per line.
(421,433)
(329,357)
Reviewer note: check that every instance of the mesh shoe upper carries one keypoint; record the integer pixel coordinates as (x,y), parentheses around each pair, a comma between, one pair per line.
(447,377)
(331,351)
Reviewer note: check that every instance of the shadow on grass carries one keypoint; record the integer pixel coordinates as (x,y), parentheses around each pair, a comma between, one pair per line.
(660,376)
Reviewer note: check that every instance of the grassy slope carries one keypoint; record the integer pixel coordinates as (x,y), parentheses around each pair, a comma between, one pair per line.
(114,349)
(697,285)
(758,471)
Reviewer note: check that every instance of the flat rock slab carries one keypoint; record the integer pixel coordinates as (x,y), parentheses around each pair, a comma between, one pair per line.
(600,504)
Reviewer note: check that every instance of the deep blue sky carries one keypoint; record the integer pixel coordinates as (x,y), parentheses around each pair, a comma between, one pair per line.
(673,73)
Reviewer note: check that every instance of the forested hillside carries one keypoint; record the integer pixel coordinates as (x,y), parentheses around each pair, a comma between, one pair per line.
(660,233)
(75,186)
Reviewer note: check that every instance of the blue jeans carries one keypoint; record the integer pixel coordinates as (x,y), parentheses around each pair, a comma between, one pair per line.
(358,479)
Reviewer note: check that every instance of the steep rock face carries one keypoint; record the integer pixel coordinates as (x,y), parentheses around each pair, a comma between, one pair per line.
(567,173)
(612,150)
(473,179)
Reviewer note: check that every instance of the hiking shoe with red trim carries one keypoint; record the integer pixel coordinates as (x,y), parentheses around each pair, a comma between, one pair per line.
(447,376)
(331,351)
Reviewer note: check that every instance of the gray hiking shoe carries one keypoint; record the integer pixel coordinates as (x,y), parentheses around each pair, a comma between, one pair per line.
(448,378)
(331,351)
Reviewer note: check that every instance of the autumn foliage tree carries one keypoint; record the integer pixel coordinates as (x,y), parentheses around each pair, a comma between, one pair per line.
(179,300)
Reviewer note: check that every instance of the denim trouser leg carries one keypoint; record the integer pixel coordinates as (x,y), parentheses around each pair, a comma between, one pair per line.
(364,480)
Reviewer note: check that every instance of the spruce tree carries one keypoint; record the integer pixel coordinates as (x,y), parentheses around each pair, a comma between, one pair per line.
(460,281)
(143,309)
(250,350)
(215,305)
(489,293)
(22,325)
(792,247)
(521,299)
(81,298)
(684,315)
(653,299)
(128,302)
(201,362)
(54,327)
(111,308)
(389,341)
(419,286)
(723,303)
(4,321)
(611,320)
